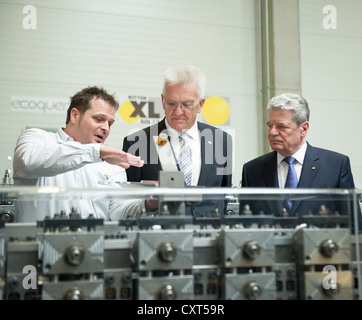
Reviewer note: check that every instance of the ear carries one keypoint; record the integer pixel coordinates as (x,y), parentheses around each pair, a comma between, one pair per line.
(162,101)
(304,128)
(201,104)
(74,114)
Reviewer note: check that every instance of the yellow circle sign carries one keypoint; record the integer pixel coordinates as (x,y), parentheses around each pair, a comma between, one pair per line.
(125,111)
(216,111)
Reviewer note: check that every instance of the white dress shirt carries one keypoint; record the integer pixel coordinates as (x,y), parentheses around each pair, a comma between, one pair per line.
(195,145)
(283,167)
(44,158)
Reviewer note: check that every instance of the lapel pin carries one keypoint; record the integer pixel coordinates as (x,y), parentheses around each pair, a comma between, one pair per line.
(313,168)
(162,139)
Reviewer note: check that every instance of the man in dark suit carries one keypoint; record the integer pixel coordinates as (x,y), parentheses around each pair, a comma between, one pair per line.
(211,148)
(288,123)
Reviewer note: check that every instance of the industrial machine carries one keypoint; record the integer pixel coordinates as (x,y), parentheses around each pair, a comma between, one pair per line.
(158,256)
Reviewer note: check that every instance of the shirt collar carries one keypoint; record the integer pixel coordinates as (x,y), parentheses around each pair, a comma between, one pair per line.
(192,132)
(299,155)
(62,136)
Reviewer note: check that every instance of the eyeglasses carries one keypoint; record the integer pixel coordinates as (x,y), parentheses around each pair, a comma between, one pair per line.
(183,106)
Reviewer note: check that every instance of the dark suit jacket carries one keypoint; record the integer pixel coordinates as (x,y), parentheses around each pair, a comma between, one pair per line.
(321,169)
(216,167)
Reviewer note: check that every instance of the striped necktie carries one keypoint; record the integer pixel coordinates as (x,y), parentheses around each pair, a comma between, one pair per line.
(185,158)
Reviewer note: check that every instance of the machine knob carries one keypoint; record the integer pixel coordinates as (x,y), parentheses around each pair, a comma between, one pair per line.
(167,252)
(246,210)
(328,248)
(7,216)
(252,290)
(74,254)
(73,294)
(167,292)
(7,179)
(164,210)
(251,249)
(323,211)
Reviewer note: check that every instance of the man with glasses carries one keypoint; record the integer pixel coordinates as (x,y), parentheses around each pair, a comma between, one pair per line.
(201,151)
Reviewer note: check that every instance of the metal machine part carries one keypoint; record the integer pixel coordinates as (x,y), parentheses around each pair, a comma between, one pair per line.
(71,252)
(323,259)
(316,246)
(164,250)
(74,259)
(7,204)
(7,213)
(73,290)
(169,205)
(247,247)
(170,287)
(7,179)
(250,286)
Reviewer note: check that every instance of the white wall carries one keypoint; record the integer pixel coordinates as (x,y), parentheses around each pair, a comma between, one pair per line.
(125,46)
(331,77)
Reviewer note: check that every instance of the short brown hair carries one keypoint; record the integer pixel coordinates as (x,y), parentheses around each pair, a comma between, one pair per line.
(81,100)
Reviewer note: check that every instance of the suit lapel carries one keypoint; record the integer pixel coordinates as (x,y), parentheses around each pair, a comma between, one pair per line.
(161,126)
(205,166)
(155,130)
(310,168)
(270,175)
(270,172)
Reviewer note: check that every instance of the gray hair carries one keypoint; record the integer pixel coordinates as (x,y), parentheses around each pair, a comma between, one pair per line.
(185,75)
(291,101)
